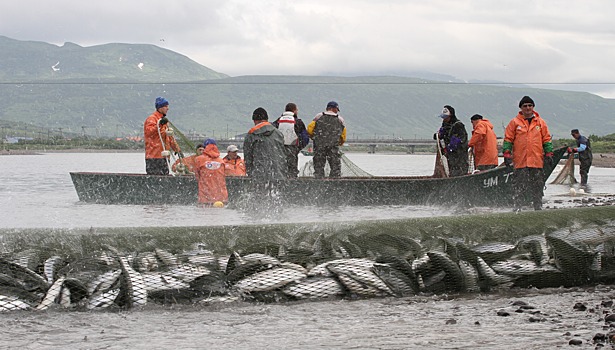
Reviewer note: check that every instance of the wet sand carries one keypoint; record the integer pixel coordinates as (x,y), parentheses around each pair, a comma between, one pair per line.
(422,322)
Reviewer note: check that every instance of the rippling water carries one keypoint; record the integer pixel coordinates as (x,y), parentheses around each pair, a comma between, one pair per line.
(36,191)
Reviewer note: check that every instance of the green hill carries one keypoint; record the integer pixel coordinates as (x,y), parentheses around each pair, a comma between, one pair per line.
(101,89)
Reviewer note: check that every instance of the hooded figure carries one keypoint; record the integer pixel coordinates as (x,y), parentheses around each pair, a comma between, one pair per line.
(453,134)
(209,172)
(484,143)
(263,150)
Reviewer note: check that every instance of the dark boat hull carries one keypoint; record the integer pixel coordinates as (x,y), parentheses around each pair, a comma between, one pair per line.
(493,187)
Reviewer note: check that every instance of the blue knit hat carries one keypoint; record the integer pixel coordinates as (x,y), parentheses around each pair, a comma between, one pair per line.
(209,142)
(161,102)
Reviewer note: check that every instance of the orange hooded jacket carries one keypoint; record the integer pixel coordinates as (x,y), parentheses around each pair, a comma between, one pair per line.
(234,167)
(209,171)
(527,141)
(153,145)
(484,143)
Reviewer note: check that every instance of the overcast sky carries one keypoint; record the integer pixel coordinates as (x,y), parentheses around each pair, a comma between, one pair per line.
(519,41)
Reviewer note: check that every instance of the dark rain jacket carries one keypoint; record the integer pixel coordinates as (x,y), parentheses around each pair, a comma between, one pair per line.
(263,152)
(455,137)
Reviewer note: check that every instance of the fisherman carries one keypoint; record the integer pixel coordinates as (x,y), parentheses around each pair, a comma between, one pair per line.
(209,172)
(263,150)
(484,143)
(455,138)
(295,137)
(328,131)
(157,143)
(233,164)
(187,164)
(584,149)
(527,146)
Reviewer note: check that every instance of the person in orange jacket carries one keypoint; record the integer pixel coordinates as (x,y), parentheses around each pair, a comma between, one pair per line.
(156,139)
(527,146)
(188,162)
(209,172)
(484,143)
(233,164)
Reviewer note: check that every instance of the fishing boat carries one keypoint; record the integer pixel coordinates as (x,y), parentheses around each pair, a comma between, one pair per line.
(486,188)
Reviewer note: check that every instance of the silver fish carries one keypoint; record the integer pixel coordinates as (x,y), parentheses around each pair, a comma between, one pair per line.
(167,258)
(261,259)
(365,276)
(321,269)
(188,272)
(268,280)
(470,276)
(103,299)
(315,288)
(12,303)
(294,266)
(50,267)
(135,286)
(53,293)
(359,288)
(520,267)
(147,262)
(490,275)
(156,281)
(103,282)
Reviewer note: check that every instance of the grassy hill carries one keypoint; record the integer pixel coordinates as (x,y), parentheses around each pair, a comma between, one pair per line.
(101,89)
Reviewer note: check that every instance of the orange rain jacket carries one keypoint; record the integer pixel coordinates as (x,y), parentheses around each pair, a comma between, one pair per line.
(234,167)
(189,162)
(527,141)
(153,145)
(484,143)
(209,171)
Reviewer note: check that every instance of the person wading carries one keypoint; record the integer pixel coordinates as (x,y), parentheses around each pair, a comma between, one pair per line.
(584,149)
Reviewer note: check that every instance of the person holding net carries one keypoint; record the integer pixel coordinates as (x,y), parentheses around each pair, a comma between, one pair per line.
(157,143)
(328,131)
(584,150)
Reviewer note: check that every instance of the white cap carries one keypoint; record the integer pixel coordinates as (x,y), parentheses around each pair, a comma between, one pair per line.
(232,148)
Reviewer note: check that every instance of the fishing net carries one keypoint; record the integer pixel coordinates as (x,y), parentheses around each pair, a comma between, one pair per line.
(566,175)
(349,169)
(133,267)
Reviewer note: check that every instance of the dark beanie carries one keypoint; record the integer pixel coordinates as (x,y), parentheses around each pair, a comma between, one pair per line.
(526,99)
(450,109)
(476,117)
(260,114)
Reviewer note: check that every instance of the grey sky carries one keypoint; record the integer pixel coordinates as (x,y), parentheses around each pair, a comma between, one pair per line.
(516,41)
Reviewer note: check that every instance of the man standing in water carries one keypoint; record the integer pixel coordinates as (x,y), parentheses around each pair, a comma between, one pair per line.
(584,149)
(328,132)
(455,137)
(157,141)
(263,152)
(527,146)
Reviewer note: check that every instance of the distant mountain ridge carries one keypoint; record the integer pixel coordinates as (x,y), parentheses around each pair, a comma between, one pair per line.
(106,88)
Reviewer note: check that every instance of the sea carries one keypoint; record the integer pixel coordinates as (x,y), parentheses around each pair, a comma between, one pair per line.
(36,192)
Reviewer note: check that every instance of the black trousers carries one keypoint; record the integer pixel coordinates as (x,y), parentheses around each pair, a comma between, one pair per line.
(457,163)
(528,187)
(584,169)
(292,160)
(330,154)
(486,167)
(156,166)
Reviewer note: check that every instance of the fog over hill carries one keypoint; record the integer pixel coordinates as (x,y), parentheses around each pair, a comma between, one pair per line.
(112,88)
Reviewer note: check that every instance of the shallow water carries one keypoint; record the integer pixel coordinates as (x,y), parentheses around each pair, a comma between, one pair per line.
(37,192)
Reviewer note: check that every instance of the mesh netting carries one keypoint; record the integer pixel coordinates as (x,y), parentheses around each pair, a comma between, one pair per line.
(285,262)
(566,174)
(349,169)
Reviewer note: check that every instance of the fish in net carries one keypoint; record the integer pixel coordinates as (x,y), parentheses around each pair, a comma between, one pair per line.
(349,169)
